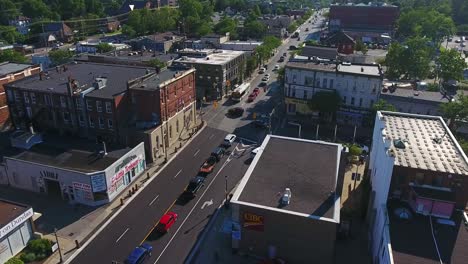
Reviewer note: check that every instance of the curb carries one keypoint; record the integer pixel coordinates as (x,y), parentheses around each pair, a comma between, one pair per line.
(109,220)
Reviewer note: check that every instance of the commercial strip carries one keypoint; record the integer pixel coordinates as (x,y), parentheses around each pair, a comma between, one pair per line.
(418,174)
(16,228)
(301,229)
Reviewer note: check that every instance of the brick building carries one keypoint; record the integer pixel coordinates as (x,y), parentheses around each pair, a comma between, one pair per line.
(164,109)
(83,99)
(10,72)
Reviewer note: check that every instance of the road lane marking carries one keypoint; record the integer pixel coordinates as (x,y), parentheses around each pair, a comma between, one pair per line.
(193,208)
(178,174)
(196,152)
(207,203)
(153,200)
(212,135)
(126,230)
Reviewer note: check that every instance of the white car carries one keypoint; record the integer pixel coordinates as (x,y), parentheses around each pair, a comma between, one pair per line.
(228,140)
(262,70)
(266,78)
(276,67)
(267,75)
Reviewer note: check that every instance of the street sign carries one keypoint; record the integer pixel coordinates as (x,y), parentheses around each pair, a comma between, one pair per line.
(54,247)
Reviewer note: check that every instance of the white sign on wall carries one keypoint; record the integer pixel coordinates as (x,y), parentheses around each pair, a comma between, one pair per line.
(16,222)
(98,182)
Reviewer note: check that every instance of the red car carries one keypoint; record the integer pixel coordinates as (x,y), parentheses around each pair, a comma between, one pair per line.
(166,222)
(209,165)
(252,97)
(256,91)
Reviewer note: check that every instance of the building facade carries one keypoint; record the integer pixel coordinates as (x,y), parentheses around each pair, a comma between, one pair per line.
(16,228)
(21,23)
(165,109)
(217,70)
(10,72)
(358,85)
(418,172)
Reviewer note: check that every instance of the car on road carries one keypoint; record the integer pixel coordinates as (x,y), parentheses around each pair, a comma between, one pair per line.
(463,45)
(218,153)
(281,59)
(194,186)
(262,121)
(285,54)
(267,75)
(292,47)
(307,29)
(262,70)
(265,78)
(252,97)
(457,41)
(256,90)
(139,254)
(228,140)
(166,222)
(236,112)
(208,165)
(276,67)
(262,84)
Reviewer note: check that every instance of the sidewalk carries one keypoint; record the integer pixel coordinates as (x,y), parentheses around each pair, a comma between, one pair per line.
(81,230)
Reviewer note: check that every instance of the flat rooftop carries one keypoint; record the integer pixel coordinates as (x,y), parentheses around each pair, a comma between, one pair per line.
(10,67)
(309,168)
(300,62)
(410,95)
(153,82)
(9,211)
(85,73)
(412,241)
(428,143)
(214,57)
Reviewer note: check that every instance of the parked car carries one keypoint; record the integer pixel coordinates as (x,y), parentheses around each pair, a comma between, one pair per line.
(262,121)
(139,254)
(194,186)
(262,84)
(228,140)
(307,29)
(218,153)
(236,112)
(252,97)
(457,41)
(256,91)
(276,67)
(262,70)
(292,47)
(265,79)
(285,54)
(209,165)
(281,59)
(267,75)
(166,222)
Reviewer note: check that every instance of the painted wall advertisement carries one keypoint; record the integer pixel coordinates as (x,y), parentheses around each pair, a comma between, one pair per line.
(128,164)
(253,222)
(16,222)
(82,191)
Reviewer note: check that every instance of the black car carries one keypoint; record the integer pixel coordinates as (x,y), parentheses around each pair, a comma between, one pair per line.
(292,47)
(218,153)
(236,111)
(194,186)
(263,121)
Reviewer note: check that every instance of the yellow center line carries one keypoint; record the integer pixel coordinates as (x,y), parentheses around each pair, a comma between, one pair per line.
(152,229)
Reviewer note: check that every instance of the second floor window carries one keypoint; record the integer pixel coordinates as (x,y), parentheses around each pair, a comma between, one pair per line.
(352,100)
(360,102)
(26,97)
(101,123)
(344,100)
(331,83)
(47,100)
(17,96)
(110,124)
(81,120)
(99,106)
(89,105)
(63,102)
(91,122)
(78,103)
(325,83)
(305,95)
(108,107)
(10,95)
(66,117)
(33,98)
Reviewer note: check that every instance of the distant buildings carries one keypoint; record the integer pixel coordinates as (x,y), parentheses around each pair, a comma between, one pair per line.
(159,42)
(344,43)
(277,26)
(418,174)
(10,72)
(92,47)
(21,23)
(59,30)
(298,229)
(363,21)
(358,85)
(217,70)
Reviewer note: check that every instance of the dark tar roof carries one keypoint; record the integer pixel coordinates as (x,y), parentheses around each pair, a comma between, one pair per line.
(308,168)
(9,211)
(154,81)
(412,241)
(85,73)
(413,95)
(11,67)
(321,52)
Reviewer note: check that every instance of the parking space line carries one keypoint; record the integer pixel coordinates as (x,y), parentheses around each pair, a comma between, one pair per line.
(212,135)
(120,237)
(178,173)
(153,200)
(196,152)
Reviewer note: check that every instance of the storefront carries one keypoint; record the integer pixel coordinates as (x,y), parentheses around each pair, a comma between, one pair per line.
(16,228)
(77,176)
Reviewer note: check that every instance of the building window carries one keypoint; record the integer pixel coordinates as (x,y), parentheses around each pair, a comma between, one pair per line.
(81,120)
(9,95)
(26,97)
(47,100)
(344,99)
(33,98)
(110,124)
(318,82)
(291,108)
(352,100)
(419,179)
(78,103)
(177,126)
(437,180)
(293,92)
(108,107)
(17,96)
(371,103)
(360,102)
(66,117)
(101,123)
(99,106)
(89,105)
(324,82)
(294,78)
(331,83)
(63,102)
(305,95)
(91,122)
(170,131)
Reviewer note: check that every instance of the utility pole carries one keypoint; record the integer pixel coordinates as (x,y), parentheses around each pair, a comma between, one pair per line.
(58,245)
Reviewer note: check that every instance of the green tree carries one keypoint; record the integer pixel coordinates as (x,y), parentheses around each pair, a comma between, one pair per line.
(156,63)
(251,65)
(94,7)
(129,31)
(8,10)
(225,25)
(256,11)
(72,8)
(164,19)
(36,9)
(455,111)
(452,65)
(10,35)
(325,102)
(14,261)
(12,56)
(254,29)
(104,47)
(60,56)
(271,42)
(360,46)
(382,105)
(281,75)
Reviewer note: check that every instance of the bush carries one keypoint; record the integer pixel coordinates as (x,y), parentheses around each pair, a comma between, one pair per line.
(28,257)
(355,150)
(433,87)
(40,246)
(14,261)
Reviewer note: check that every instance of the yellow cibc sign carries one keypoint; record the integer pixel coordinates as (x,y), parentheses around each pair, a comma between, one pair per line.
(253,222)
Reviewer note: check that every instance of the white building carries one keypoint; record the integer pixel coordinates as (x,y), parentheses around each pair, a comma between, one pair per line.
(248,46)
(358,85)
(418,173)
(16,228)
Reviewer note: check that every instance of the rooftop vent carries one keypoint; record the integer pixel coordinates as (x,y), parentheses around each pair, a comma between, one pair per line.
(100,83)
(398,143)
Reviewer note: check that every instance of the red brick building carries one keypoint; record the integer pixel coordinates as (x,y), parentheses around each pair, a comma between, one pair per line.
(342,41)
(10,72)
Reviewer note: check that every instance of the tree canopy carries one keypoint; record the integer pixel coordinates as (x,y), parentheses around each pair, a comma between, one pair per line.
(451,64)
(12,56)
(325,102)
